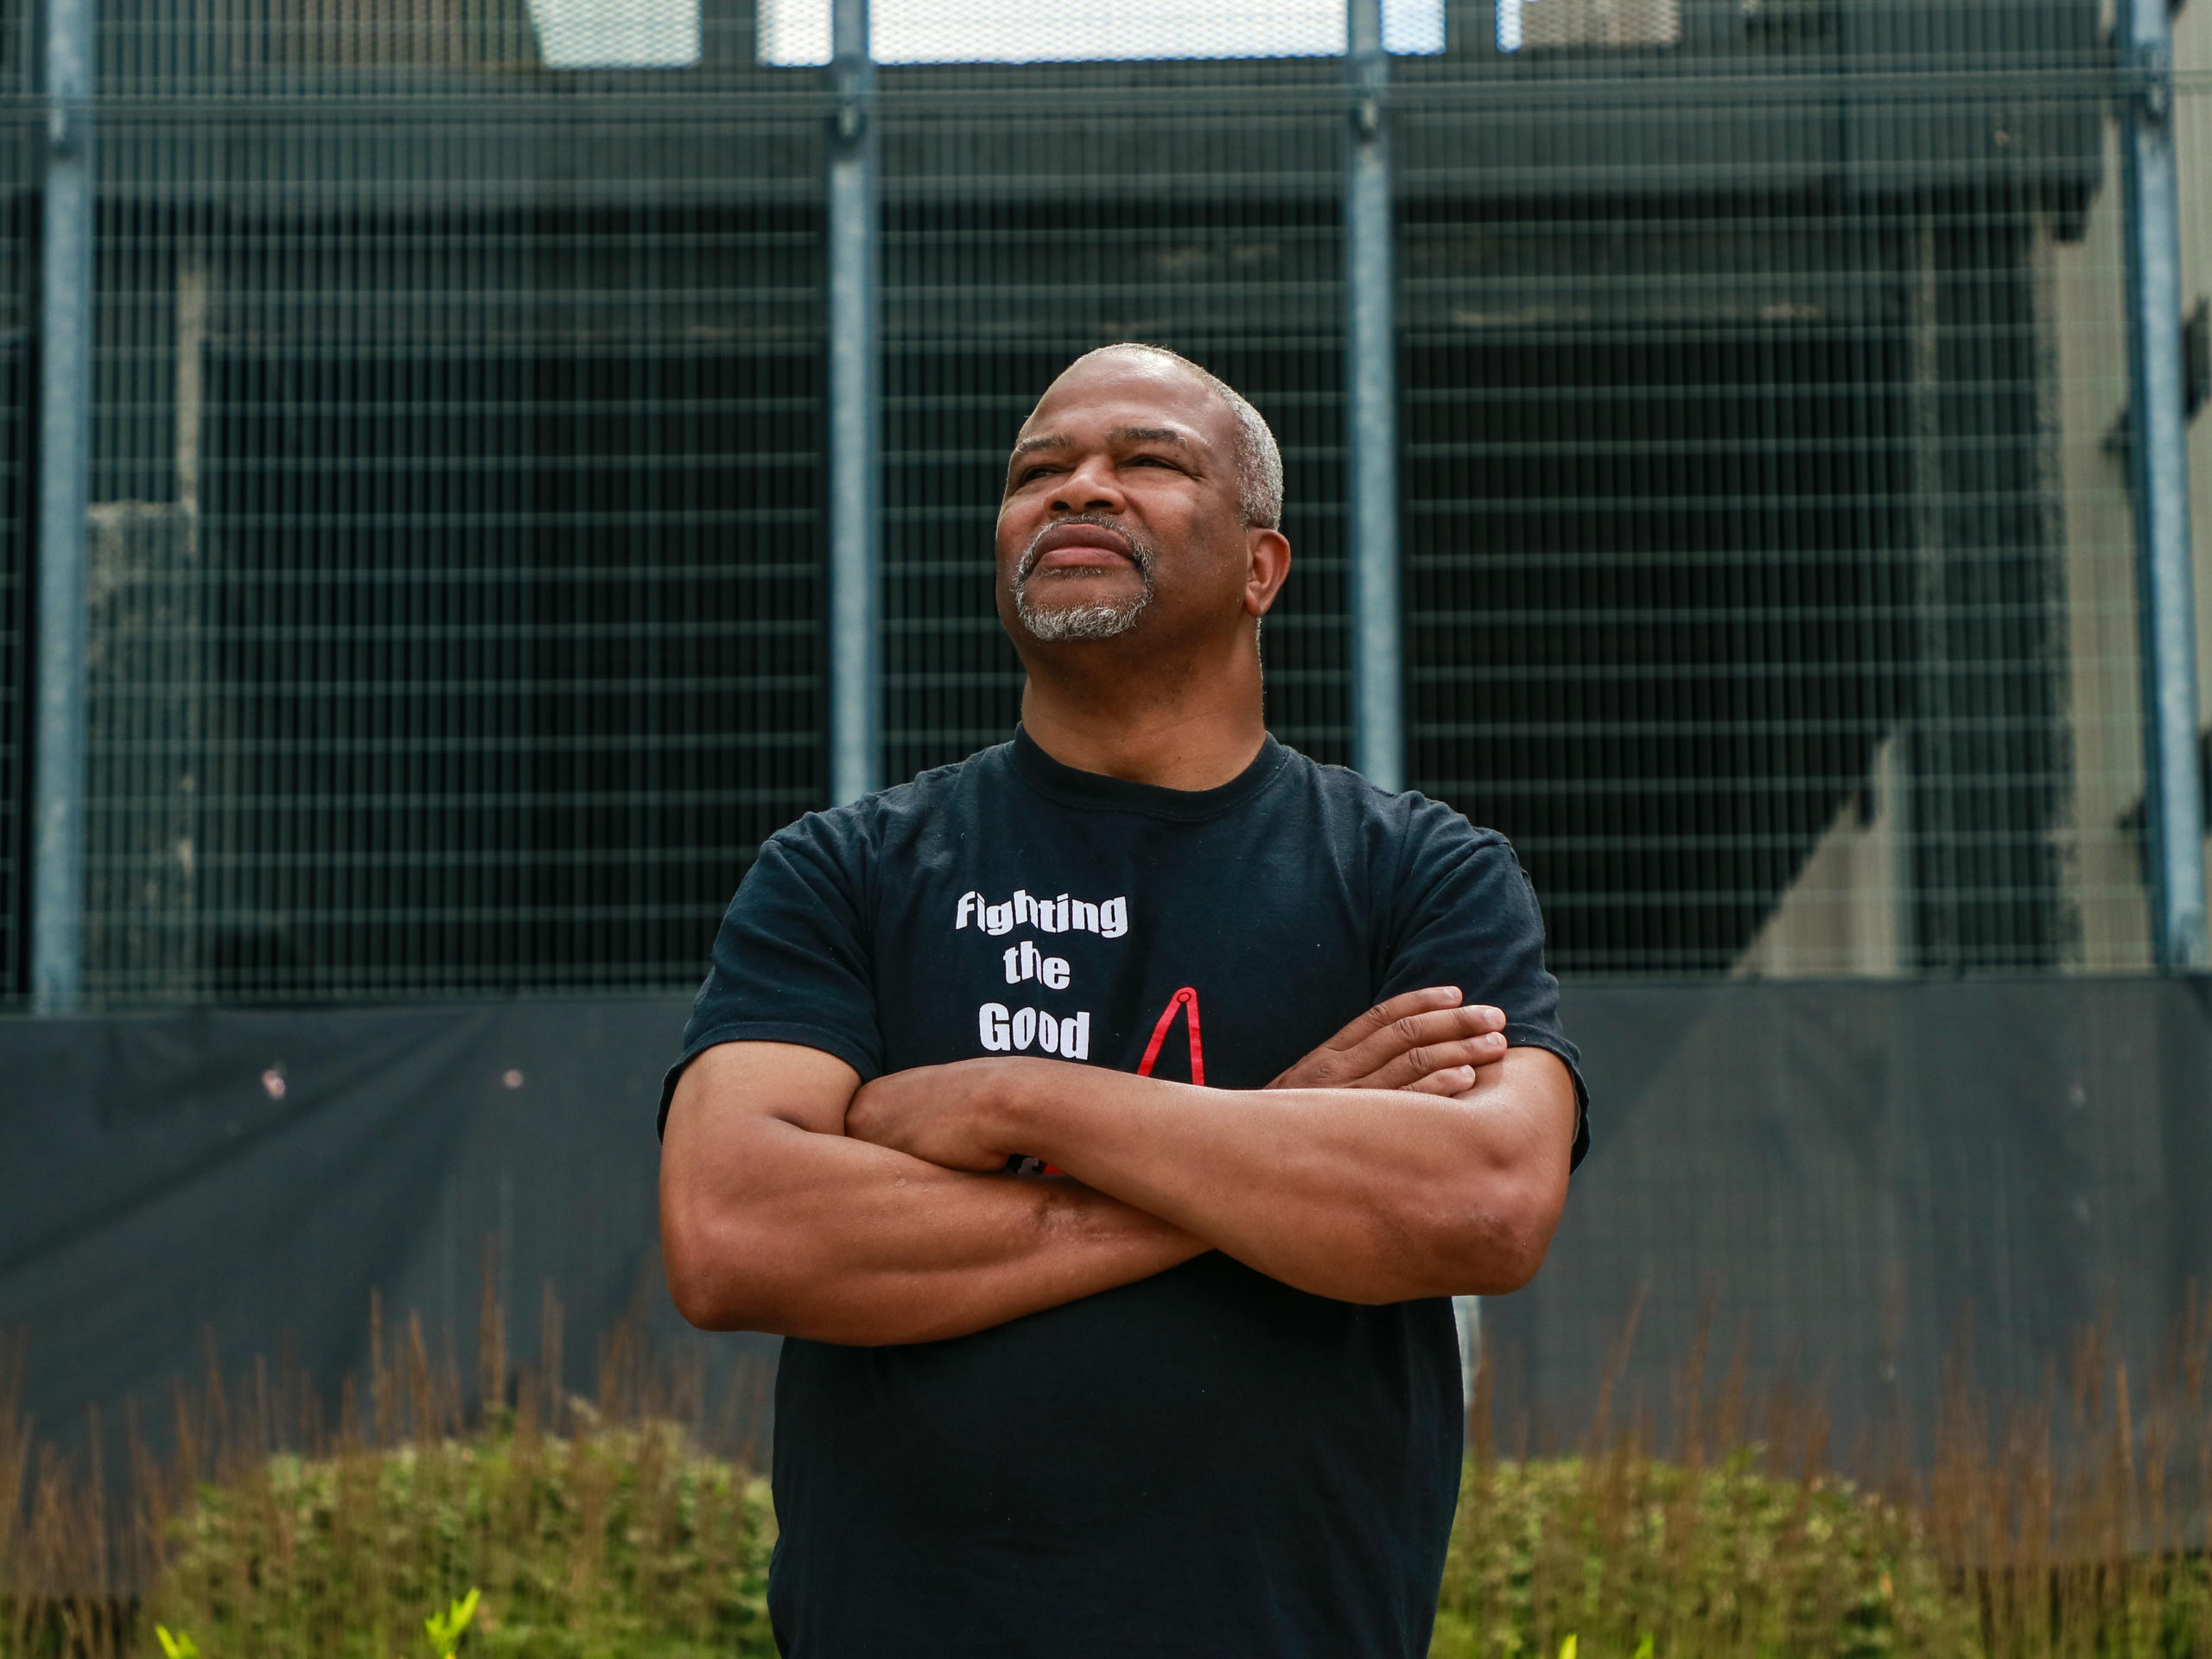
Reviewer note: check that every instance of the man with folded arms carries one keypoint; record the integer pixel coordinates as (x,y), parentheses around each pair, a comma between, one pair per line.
(1115,1285)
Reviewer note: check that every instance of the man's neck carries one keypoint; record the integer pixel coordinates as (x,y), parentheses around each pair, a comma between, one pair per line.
(1193,729)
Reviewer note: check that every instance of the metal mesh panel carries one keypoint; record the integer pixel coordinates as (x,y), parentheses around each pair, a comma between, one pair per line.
(458,535)
(457,559)
(1744,557)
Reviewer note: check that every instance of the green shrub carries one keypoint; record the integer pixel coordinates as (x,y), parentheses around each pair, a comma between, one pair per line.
(632,1545)
(629,1544)
(1622,1551)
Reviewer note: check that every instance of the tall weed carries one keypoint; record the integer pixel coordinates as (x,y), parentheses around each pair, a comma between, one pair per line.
(2074,1525)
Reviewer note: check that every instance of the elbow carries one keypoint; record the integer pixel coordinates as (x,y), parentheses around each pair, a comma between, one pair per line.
(710,1270)
(1488,1241)
(701,1304)
(700,1294)
(1503,1258)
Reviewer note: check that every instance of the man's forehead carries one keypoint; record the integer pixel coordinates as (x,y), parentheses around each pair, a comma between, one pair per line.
(1128,390)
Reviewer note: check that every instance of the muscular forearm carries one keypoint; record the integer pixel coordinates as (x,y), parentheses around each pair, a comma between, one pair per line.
(1367,1195)
(805,1234)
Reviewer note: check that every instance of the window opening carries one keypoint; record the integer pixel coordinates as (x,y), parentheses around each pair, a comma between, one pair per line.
(797,32)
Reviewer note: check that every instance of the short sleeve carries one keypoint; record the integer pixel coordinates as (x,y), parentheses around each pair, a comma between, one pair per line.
(1462,912)
(792,960)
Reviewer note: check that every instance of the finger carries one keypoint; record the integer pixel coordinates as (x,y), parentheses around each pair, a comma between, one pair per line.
(1385,1015)
(1450,1083)
(1410,1032)
(1416,1064)
(1414,1031)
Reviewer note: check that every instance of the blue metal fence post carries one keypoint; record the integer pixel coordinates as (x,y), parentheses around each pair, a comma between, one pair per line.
(2159,454)
(64,492)
(1371,412)
(856,520)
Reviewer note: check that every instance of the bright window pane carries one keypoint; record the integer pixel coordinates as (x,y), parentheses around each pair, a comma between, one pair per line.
(1026,31)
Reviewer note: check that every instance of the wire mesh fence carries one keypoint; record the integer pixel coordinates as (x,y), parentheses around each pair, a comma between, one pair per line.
(458,551)
(1035,260)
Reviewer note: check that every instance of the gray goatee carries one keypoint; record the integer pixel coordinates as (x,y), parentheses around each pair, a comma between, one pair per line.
(1092,618)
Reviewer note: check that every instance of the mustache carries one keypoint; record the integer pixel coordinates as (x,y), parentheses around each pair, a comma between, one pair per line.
(1140,554)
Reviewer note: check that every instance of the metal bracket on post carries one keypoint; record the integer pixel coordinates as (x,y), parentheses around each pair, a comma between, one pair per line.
(57,849)
(854,74)
(2148,67)
(856,648)
(1371,410)
(2159,461)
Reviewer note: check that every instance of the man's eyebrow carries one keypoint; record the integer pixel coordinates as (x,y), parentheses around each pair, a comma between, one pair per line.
(1120,435)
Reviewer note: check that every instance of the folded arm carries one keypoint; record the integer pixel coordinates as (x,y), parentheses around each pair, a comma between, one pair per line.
(1367,1195)
(1411,1154)
(772,1219)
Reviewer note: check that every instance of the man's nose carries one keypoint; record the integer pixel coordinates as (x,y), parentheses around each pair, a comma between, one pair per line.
(1089,488)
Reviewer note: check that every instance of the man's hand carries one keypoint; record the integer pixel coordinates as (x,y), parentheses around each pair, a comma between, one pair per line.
(940,1114)
(1422,1040)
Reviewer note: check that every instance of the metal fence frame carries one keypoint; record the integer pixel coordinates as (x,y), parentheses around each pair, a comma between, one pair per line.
(2142,89)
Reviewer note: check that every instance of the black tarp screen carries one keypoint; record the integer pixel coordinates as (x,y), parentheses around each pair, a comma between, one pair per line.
(1846,1178)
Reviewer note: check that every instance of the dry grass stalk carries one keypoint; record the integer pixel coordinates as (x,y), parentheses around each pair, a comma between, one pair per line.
(2071,1524)
(270,1529)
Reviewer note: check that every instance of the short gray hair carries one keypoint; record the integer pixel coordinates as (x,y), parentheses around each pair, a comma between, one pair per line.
(1257,456)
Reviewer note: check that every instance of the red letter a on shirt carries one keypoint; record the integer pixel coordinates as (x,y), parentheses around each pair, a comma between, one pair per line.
(1185,999)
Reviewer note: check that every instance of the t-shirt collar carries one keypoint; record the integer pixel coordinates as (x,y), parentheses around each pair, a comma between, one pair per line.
(1097,791)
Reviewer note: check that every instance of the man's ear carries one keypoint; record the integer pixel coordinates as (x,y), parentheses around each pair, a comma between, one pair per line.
(1267,562)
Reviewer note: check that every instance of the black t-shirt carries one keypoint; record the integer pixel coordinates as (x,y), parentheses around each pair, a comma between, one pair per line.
(1206,1462)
